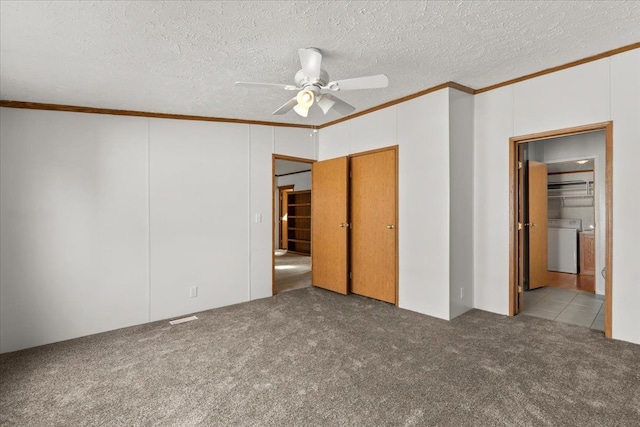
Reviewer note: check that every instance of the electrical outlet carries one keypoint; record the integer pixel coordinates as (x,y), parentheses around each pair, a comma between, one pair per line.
(461,293)
(193,292)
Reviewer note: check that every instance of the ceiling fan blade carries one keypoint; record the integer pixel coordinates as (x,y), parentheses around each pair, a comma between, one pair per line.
(273,85)
(325,103)
(311,61)
(368,82)
(287,107)
(338,104)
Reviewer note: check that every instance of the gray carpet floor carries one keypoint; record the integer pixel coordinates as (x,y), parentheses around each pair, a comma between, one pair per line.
(312,357)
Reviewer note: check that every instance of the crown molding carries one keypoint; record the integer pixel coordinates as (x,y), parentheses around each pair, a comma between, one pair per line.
(93,110)
(560,67)
(452,85)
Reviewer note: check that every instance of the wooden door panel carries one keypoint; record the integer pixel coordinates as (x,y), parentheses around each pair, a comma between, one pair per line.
(373,218)
(284,222)
(329,225)
(587,254)
(537,226)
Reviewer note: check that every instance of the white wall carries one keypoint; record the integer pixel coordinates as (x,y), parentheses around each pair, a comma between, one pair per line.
(335,141)
(107,221)
(364,133)
(566,98)
(74,201)
(374,130)
(260,205)
(608,89)
(461,200)
(73,225)
(199,204)
(493,126)
(625,111)
(295,142)
(423,226)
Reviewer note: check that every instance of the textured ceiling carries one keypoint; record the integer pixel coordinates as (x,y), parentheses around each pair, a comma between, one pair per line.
(183,57)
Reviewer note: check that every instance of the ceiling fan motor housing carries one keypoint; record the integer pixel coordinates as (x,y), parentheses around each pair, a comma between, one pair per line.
(303,81)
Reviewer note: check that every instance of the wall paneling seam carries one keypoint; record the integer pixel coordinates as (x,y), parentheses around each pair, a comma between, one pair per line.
(249,211)
(148,219)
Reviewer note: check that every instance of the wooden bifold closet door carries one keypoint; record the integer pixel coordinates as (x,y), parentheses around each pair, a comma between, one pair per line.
(373,218)
(330,226)
(537,225)
(354,229)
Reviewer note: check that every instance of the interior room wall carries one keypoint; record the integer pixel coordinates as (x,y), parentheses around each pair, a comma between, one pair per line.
(461,200)
(424,211)
(295,142)
(493,126)
(625,104)
(108,221)
(75,199)
(74,225)
(260,207)
(199,216)
(607,89)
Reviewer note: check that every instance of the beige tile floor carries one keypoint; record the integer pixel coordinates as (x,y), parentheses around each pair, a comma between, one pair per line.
(566,305)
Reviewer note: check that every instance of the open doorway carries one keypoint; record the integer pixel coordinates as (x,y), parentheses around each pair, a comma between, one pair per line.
(561,214)
(573,213)
(292,223)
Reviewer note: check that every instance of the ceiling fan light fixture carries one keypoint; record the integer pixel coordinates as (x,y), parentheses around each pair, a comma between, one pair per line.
(305,101)
(304,112)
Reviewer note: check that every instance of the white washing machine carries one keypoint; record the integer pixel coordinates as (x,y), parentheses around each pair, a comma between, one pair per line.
(563,244)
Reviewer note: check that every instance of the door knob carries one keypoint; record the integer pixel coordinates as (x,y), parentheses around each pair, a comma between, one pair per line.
(343,225)
(390,226)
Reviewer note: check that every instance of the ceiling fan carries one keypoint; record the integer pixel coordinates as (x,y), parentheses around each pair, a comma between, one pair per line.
(312,80)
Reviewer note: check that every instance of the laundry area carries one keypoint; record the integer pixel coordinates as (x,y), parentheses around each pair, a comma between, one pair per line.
(563,245)
(571,218)
(572,287)
(570,295)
